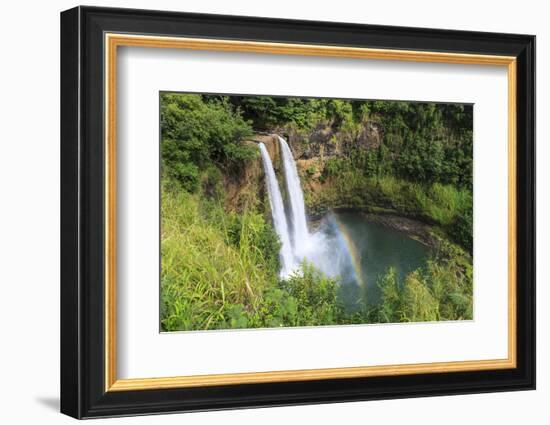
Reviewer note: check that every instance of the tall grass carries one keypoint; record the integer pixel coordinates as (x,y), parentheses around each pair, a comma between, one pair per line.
(220,270)
(202,274)
(443,290)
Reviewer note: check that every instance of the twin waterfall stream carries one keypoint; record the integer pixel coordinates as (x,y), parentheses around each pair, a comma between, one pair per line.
(278,213)
(328,248)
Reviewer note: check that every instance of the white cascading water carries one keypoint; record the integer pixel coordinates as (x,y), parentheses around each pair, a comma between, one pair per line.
(300,233)
(329,252)
(278,214)
(326,247)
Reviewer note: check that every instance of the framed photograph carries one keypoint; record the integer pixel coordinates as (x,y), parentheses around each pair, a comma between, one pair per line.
(261,212)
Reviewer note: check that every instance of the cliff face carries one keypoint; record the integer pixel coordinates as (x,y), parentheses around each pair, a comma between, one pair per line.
(311,150)
(271,143)
(247,186)
(324,142)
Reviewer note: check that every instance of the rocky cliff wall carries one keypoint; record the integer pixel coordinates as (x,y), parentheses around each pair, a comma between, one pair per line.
(311,150)
(325,142)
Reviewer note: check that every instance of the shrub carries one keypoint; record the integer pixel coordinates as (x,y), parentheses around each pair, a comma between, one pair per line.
(462,229)
(196,134)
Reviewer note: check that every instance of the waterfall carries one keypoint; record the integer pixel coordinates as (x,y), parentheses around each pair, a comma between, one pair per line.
(278,213)
(327,248)
(300,234)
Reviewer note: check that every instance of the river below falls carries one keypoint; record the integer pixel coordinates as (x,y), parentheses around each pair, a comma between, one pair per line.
(359,251)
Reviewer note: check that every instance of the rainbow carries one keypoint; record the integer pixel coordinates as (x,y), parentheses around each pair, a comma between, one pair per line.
(354,254)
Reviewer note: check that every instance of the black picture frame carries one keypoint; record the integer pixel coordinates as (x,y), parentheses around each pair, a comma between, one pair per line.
(83,392)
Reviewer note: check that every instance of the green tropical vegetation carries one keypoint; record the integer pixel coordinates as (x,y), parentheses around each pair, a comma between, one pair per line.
(219,251)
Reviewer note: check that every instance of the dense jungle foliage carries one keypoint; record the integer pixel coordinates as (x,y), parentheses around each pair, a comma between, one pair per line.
(220,267)
(423,142)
